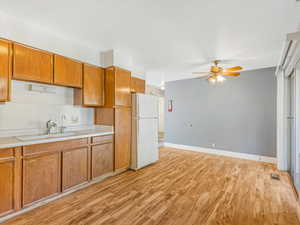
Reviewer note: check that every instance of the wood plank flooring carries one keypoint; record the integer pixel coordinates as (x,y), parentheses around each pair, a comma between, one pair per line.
(182,188)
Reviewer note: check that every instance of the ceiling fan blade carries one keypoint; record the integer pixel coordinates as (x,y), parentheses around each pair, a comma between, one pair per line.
(230,73)
(234,68)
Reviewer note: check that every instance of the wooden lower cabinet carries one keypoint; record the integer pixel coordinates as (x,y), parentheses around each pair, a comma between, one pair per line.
(6,186)
(120,118)
(102,159)
(41,177)
(32,173)
(74,167)
(122,137)
(10,180)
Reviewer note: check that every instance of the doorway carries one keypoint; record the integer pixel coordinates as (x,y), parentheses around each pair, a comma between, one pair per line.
(161,118)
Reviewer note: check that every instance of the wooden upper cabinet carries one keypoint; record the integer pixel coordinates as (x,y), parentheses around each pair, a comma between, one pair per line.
(92,92)
(122,87)
(67,72)
(5,69)
(117,87)
(32,64)
(138,85)
(109,88)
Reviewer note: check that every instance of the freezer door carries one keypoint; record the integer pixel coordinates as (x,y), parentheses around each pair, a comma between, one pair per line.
(147,142)
(146,106)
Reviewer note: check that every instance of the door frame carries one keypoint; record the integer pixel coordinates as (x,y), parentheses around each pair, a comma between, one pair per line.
(283,95)
(288,63)
(297,114)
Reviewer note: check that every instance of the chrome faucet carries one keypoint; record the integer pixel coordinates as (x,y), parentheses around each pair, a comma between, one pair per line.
(50,125)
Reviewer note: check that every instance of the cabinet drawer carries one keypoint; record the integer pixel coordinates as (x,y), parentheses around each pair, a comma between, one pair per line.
(41,148)
(76,143)
(102,139)
(54,146)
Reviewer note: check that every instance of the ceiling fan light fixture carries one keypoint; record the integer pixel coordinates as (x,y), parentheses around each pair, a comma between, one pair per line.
(212,80)
(220,78)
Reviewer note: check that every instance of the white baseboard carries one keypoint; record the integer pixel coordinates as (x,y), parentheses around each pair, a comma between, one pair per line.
(224,153)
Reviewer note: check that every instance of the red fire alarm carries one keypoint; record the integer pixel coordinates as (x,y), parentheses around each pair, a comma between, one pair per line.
(170,106)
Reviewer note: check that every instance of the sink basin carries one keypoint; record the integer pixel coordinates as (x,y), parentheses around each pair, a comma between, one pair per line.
(43,136)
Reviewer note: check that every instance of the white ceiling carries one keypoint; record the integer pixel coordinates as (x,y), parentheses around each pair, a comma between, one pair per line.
(172,37)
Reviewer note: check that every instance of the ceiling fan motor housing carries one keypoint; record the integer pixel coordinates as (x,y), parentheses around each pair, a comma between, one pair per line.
(215,69)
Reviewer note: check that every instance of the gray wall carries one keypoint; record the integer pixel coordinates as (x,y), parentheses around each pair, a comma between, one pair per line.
(238,115)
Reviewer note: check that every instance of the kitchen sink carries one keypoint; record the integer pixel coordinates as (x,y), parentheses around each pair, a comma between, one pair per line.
(43,136)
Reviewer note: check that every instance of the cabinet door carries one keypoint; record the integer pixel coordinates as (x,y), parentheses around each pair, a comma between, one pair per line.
(74,167)
(6,186)
(122,87)
(6,180)
(5,69)
(10,180)
(102,159)
(41,177)
(67,72)
(137,85)
(32,64)
(122,137)
(109,87)
(92,92)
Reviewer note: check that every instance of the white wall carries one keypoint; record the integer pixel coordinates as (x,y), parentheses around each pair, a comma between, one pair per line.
(31,110)
(155,78)
(298,14)
(125,61)
(39,37)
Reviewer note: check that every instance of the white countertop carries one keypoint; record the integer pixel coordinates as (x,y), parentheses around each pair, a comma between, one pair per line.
(13,141)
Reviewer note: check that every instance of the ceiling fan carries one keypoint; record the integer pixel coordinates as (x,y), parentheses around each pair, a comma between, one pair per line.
(217,73)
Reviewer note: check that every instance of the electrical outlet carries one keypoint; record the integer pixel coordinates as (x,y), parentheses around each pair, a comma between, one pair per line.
(213,145)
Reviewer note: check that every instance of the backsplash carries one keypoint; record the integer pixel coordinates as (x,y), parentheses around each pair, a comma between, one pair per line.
(30,110)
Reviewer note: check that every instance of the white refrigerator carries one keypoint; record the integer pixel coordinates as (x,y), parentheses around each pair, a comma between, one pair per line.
(144,148)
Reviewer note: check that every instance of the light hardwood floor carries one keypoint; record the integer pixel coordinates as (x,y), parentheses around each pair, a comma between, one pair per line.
(182,188)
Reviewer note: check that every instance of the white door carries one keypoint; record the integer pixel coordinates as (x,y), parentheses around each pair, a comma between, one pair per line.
(147,106)
(147,143)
